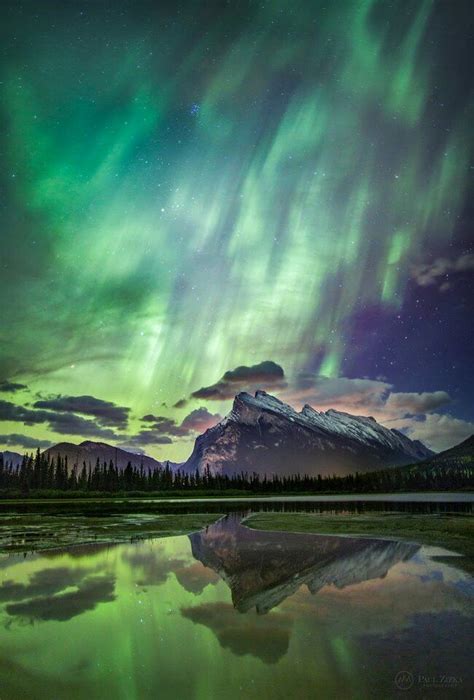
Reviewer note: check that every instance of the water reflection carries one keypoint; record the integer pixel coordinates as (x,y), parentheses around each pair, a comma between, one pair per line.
(265,638)
(47,594)
(235,613)
(263,568)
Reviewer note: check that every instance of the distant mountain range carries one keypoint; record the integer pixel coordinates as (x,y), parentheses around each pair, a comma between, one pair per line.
(89,451)
(264,435)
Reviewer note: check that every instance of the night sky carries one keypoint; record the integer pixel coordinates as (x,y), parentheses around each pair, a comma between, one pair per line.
(199,198)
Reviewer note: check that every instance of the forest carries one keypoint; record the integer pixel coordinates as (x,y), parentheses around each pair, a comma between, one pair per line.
(40,475)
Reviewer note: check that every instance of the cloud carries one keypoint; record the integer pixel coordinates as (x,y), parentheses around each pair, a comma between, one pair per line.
(410,412)
(371,604)
(438,272)
(63,607)
(151,568)
(105,412)
(160,423)
(160,428)
(70,424)
(12,412)
(342,393)
(196,577)
(366,396)
(146,437)
(157,431)
(360,396)
(438,431)
(266,375)
(265,371)
(11,387)
(265,637)
(63,423)
(199,420)
(416,403)
(43,597)
(180,404)
(24,441)
(44,582)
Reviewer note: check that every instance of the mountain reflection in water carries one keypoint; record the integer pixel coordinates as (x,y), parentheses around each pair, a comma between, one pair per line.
(231,612)
(263,568)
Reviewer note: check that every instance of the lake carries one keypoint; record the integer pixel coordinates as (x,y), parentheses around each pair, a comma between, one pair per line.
(230,612)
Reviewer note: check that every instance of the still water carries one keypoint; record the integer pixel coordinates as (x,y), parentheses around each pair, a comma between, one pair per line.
(230,612)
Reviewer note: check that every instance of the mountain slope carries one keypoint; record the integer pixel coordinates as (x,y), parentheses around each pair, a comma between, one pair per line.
(265,435)
(12,458)
(88,452)
(459,455)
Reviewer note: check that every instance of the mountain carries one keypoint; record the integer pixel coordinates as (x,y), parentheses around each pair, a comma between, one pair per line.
(460,455)
(456,460)
(264,435)
(88,452)
(263,568)
(12,458)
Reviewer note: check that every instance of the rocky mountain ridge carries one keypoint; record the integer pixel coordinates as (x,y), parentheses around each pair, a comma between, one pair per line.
(265,435)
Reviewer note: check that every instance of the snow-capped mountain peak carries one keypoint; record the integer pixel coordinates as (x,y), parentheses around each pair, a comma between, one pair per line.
(262,433)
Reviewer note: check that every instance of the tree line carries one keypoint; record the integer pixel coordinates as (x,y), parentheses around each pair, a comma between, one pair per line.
(42,473)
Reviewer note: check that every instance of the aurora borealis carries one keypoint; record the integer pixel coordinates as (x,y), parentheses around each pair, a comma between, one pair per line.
(192,188)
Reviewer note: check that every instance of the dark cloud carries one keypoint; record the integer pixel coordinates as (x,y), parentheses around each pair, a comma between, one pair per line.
(160,423)
(70,424)
(151,568)
(157,431)
(105,412)
(147,437)
(10,387)
(196,577)
(180,404)
(160,429)
(43,596)
(44,582)
(63,607)
(199,420)
(266,375)
(63,423)
(265,371)
(20,414)
(24,441)
(266,637)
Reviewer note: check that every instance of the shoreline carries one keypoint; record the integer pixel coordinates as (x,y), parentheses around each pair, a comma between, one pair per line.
(394,497)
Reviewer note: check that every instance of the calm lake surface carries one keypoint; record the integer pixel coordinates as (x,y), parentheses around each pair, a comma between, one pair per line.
(230,612)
